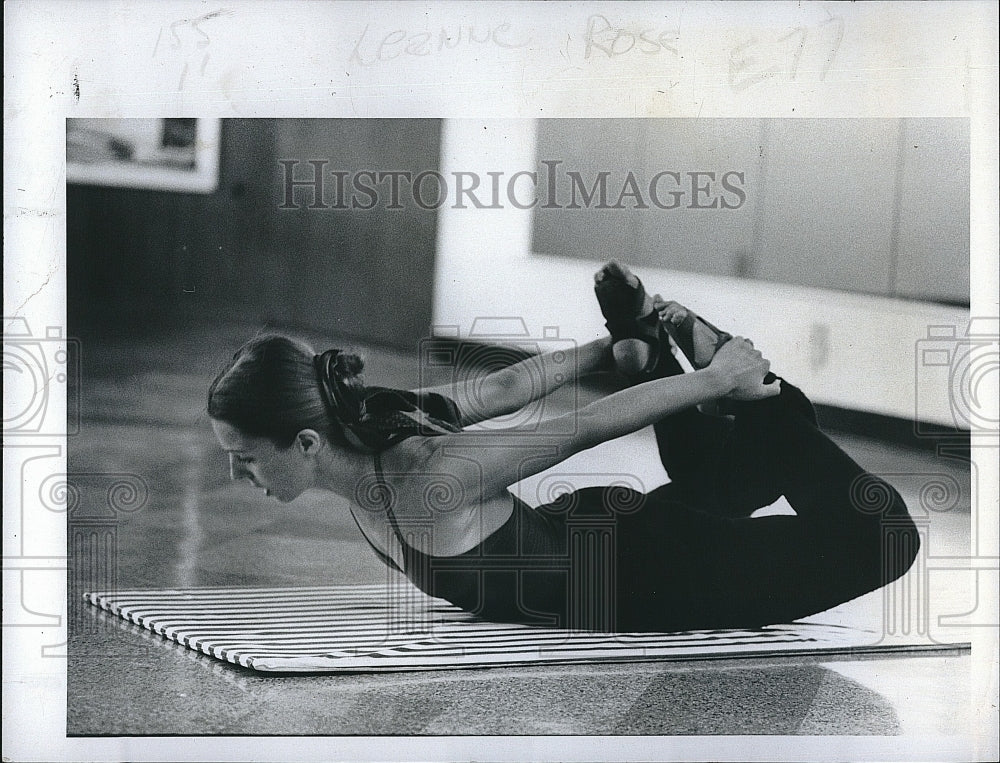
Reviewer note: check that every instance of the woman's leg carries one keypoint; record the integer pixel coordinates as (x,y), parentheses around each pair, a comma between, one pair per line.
(718,463)
(699,452)
(851,534)
(692,557)
(713,460)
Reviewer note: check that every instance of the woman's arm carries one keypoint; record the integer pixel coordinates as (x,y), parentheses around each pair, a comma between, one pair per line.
(488,463)
(508,390)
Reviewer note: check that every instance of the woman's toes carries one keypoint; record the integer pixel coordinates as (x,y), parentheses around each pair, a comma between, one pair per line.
(673,312)
(609,270)
(618,270)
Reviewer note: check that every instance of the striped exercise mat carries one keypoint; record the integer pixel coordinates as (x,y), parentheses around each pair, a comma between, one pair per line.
(374,628)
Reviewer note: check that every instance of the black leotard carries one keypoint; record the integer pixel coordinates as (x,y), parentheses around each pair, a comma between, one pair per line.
(524,571)
(516,574)
(688,555)
(557,565)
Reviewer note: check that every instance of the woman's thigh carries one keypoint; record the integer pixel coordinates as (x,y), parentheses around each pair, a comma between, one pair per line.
(679,568)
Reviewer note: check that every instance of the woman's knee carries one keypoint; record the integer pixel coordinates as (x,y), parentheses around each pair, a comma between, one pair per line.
(689,442)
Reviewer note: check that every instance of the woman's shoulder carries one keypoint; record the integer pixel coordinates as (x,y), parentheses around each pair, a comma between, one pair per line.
(423,486)
(433,405)
(409,455)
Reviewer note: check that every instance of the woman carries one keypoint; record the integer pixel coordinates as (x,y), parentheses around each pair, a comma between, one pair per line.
(431,496)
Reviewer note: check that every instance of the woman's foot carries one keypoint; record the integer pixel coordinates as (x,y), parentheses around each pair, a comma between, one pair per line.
(628,296)
(632,356)
(698,339)
(632,320)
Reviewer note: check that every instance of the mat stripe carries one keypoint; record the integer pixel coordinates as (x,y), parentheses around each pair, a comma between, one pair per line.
(397,628)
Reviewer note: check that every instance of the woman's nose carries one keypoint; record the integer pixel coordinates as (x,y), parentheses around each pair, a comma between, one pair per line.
(236,470)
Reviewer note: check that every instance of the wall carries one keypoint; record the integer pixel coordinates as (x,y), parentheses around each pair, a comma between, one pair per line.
(849,350)
(875,206)
(365,273)
(142,259)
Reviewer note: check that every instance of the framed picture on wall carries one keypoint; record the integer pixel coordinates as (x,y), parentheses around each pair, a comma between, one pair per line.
(173,154)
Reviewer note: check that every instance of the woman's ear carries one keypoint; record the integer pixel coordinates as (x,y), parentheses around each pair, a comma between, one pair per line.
(308,441)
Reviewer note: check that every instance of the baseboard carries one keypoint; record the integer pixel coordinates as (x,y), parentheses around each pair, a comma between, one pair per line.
(894,430)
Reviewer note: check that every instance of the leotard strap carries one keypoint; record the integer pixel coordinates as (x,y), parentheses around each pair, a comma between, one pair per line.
(384,491)
(386,494)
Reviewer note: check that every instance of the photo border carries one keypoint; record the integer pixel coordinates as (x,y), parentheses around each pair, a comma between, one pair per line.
(268,59)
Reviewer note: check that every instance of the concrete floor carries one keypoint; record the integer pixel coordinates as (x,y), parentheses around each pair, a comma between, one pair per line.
(143,403)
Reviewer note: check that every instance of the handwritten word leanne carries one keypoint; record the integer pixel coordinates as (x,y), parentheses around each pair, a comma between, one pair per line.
(612,41)
(378,47)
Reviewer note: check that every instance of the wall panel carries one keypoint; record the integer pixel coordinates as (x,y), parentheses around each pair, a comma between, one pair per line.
(148,258)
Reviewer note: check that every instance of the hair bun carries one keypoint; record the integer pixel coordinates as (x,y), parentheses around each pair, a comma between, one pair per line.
(342,385)
(348,365)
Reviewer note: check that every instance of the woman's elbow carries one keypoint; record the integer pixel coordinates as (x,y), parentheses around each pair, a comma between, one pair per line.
(507,390)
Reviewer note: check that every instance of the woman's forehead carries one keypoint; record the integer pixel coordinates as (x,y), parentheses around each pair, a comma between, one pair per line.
(231,438)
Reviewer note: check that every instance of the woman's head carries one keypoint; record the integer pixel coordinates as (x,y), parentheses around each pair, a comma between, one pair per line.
(268,411)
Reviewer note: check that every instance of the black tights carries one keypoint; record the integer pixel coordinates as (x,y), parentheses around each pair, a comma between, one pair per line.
(851,532)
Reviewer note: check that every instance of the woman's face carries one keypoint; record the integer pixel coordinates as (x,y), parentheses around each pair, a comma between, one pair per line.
(283,473)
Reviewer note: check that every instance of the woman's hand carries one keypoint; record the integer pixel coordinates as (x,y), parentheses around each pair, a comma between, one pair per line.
(741,369)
